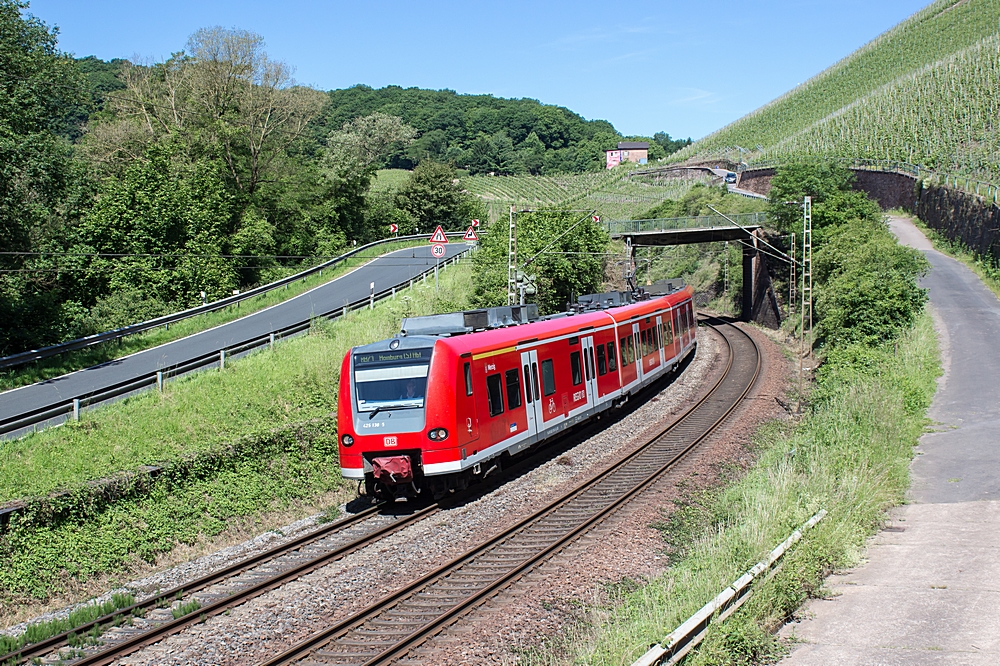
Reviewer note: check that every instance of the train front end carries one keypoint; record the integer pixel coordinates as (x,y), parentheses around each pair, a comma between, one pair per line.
(391,410)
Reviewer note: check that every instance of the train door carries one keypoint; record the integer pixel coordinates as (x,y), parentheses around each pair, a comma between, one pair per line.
(659,340)
(590,370)
(638,351)
(532,402)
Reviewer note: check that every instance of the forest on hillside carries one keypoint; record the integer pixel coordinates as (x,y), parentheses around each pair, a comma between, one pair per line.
(133,189)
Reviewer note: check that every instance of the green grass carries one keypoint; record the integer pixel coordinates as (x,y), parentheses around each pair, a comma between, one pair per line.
(850,456)
(921,92)
(69,362)
(295,383)
(390,180)
(256,438)
(39,631)
(610,193)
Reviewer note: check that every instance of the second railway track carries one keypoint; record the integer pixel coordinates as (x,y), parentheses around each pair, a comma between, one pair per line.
(392,627)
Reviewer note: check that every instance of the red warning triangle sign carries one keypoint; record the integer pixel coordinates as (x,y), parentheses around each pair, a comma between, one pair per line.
(438,236)
(470,235)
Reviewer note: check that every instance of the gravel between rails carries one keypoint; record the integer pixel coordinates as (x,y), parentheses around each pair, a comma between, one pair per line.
(543,607)
(275,621)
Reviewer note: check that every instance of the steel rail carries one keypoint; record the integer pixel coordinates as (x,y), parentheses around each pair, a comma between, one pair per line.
(460,575)
(70,405)
(54,642)
(557,445)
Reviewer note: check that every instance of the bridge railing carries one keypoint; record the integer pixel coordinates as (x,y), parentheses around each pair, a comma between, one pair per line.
(620,227)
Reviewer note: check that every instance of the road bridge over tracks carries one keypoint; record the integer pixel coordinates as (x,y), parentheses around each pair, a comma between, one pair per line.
(759,302)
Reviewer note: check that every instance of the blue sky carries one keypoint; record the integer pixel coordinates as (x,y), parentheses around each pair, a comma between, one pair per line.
(683,67)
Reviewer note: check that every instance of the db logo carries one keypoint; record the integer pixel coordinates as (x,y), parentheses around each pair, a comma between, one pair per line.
(389,441)
(552,405)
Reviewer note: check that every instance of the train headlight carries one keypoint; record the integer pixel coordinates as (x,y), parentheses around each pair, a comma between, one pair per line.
(438,434)
(347,440)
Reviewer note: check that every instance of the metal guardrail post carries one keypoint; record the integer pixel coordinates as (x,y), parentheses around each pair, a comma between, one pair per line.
(76,409)
(159,381)
(222,359)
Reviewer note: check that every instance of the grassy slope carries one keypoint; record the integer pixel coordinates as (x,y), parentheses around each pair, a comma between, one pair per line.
(850,456)
(256,439)
(295,383)
(610,193)
(934,34)
(64,363)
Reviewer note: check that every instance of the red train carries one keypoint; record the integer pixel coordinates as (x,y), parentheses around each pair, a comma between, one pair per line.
(445,401)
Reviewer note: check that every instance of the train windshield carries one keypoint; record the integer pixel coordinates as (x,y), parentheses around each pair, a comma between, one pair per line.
(391,379)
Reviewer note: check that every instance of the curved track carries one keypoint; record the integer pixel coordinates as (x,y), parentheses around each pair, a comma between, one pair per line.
(396,624)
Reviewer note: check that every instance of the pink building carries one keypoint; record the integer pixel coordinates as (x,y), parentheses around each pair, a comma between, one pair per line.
(628,151)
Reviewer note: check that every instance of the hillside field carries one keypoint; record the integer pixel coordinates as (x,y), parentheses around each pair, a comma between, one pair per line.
(924,92)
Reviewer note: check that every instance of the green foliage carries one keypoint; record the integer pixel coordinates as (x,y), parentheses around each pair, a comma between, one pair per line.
(850,456)
(39,631)
(162,207)
(486,134)
(566,254)
(234,444)
(924,92)
(433,197)
(696,201)
(185,608)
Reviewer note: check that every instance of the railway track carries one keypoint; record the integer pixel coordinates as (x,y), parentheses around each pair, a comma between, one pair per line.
(239,582)
(394,626)
(255,575)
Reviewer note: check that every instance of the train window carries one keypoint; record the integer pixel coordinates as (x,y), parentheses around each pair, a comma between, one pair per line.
(602,363)
(513,381)
(593,372)
(548,377)
(574,363)
(631,349)
(668,332)
(468,379)
(657,340)
(575,340)
(495,393)
(586,364)
(645,342)
(534,380)
(612,357)
(527,383)
(624,350)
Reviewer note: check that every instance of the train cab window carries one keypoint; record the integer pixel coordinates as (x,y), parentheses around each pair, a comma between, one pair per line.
(574,363)
(495,393)
(548,378)
(612,357)
(527,383)
(468,379)
(513,381)
(602,362)
(534,380)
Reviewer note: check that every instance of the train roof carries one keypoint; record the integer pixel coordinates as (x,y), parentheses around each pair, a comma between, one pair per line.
(498,338)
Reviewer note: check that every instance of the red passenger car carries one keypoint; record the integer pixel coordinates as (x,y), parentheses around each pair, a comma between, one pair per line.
(453,395)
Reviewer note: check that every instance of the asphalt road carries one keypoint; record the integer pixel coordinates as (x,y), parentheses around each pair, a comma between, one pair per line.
(927,594)
(393,269)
